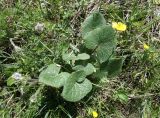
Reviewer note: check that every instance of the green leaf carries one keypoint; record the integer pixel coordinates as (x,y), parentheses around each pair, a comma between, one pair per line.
(103,34)
(10,81)
(89,69)
(78,67)
(68,57)
(82,56)
(102,41)
(100,74)
(110,68)
(73,90)
(114,66)
(104,51)
(51,76)
(92,22)
(60,80)
(71,57)
(122,96)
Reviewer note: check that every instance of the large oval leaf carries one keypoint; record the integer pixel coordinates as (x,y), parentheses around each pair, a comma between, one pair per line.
(92,22)
(89,69)
(104,51)
(114,66)
(102,41)
(50,76)
(73,90)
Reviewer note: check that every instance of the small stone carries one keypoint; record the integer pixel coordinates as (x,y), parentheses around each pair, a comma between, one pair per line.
(39,27)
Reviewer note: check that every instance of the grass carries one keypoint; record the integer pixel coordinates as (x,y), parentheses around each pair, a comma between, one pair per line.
(135,93)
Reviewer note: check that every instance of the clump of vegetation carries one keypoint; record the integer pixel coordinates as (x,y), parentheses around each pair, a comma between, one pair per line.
(99,38)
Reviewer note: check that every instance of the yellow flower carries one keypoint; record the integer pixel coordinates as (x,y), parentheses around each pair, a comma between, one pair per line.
(94,114)
(145,46)
(119,26)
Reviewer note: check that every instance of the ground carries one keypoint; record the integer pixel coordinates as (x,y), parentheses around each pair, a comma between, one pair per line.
(134,93)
